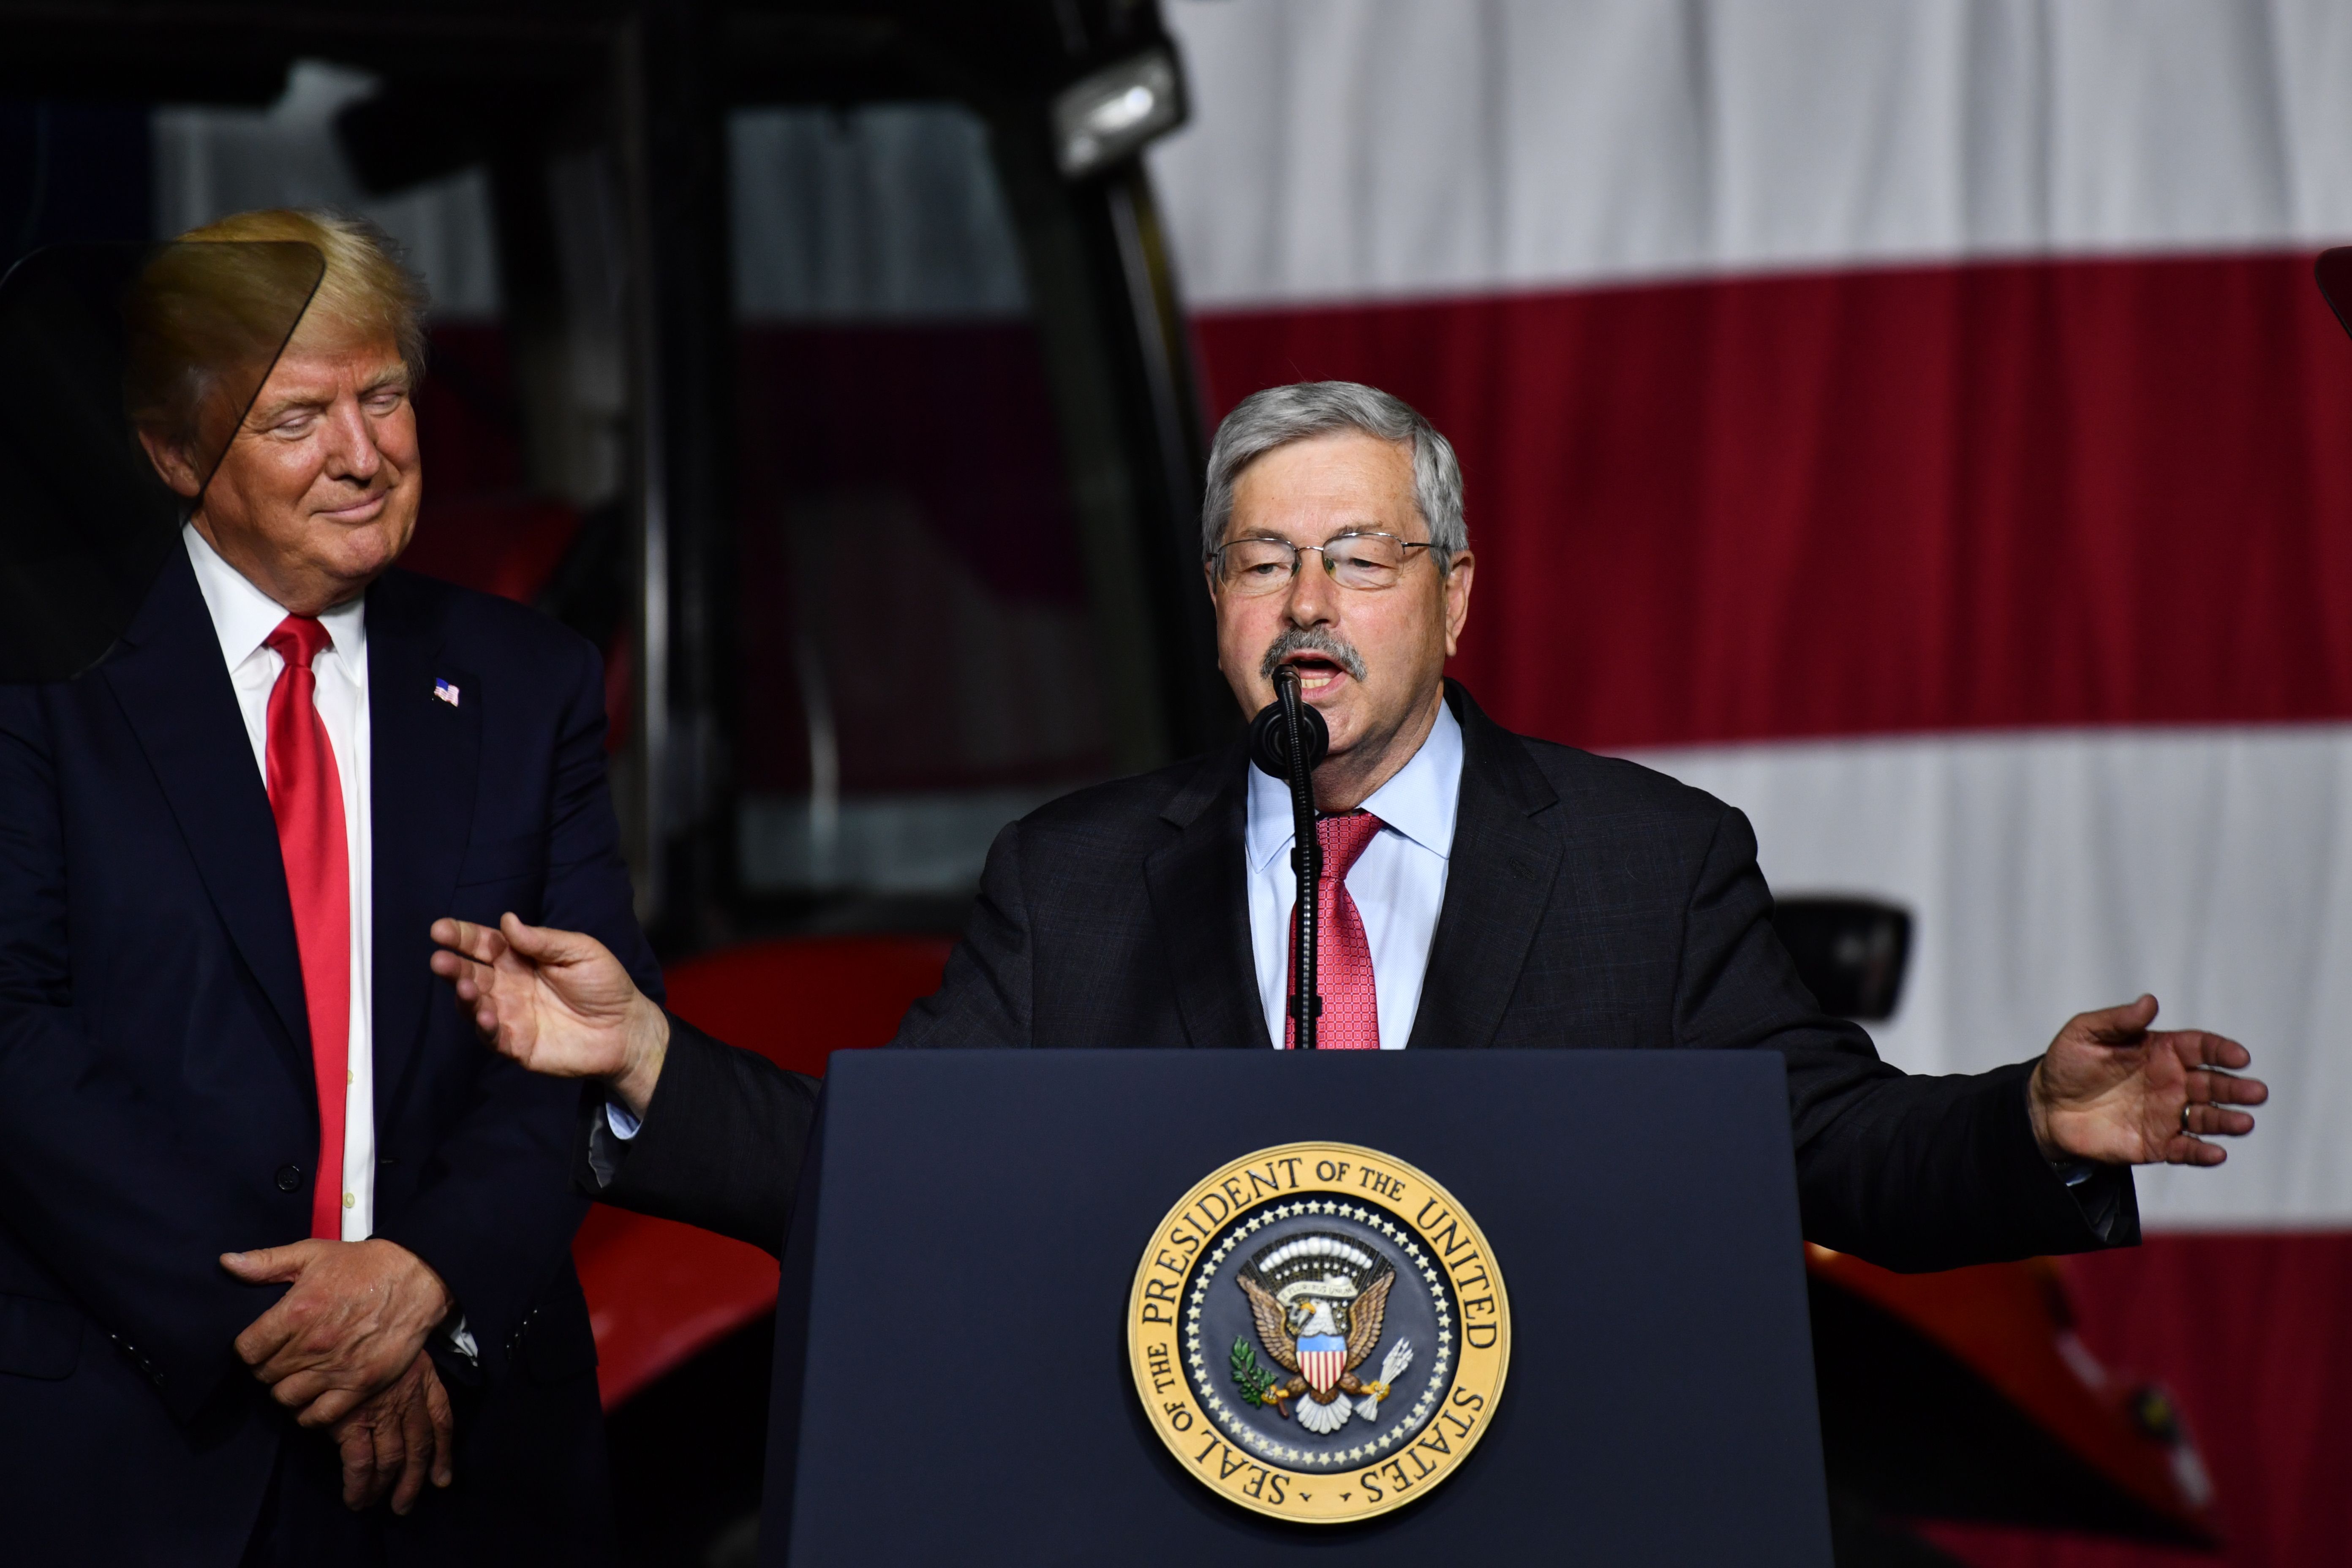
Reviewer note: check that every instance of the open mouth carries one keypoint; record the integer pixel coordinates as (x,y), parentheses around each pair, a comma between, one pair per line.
(1316,672)
(1322,660)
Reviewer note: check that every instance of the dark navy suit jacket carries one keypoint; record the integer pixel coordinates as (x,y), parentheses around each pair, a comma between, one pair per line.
(155,1078)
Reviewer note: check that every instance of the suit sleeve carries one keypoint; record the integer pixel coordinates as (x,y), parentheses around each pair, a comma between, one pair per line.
(496,1213)
(720,1145)
(91,1177)
(722,1138)
(1914,1172)
(984,998)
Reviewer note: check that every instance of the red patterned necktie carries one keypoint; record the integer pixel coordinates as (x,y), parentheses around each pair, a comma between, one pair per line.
(306,796)
(1351,1010)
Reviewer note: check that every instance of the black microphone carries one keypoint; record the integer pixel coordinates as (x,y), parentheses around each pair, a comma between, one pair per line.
(1288,740)
(1270,735)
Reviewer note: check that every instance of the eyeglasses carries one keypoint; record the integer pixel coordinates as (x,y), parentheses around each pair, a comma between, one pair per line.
(1365,562)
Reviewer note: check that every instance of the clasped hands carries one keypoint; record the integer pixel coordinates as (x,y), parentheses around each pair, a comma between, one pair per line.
(2109,1090)
(345,1349)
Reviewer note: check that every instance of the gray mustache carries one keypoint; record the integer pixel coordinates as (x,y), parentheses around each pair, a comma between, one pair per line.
(1311,639)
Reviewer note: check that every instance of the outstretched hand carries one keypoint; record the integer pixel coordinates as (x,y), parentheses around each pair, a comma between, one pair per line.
(2113,1090)
(556,1001)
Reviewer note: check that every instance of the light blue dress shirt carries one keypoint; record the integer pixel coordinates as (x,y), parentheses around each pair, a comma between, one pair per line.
(1398,883)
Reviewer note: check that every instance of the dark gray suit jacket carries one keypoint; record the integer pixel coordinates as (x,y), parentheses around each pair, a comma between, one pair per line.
(1589,903)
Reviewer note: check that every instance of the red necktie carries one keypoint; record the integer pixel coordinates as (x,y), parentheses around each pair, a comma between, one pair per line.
(306,796)
(1351,1010)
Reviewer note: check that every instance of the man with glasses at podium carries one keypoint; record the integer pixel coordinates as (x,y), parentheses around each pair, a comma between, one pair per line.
(1479,890)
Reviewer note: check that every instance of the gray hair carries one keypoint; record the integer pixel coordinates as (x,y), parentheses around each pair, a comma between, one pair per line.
(1281,415)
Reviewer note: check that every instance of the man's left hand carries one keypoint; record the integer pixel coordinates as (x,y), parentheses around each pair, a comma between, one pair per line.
(354,1321)
(393,1441)
(2111,1090)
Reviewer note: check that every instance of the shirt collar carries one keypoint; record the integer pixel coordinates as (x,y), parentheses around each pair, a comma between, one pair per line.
(243,616)
(1419,802)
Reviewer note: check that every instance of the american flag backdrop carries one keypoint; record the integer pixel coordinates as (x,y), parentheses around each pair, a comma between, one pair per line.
(1917,425)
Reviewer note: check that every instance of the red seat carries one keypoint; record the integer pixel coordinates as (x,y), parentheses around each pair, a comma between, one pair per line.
(658,1292)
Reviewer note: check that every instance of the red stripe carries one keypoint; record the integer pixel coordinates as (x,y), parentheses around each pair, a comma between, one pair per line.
(2082,493)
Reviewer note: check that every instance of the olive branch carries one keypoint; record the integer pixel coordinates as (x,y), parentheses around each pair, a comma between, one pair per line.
(1251,1379)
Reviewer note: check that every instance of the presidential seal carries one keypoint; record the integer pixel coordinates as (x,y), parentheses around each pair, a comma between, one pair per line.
(1318,1332)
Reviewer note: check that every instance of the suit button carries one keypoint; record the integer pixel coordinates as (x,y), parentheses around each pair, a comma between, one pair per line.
(289,1177)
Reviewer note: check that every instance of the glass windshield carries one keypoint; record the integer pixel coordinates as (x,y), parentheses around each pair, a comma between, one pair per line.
(917,659)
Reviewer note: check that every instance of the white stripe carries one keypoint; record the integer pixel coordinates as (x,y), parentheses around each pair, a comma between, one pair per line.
(1350,149)
(2052,873)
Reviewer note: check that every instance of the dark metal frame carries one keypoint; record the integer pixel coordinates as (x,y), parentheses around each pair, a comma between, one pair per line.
(512,81)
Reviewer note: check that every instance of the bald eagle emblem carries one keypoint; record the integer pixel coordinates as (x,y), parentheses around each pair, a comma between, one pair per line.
(1318,1300)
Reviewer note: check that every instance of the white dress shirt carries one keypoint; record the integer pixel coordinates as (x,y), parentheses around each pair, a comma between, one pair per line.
(1398,883)
(242,617)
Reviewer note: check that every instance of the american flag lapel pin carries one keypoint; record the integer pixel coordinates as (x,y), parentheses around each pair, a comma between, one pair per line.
(446,690)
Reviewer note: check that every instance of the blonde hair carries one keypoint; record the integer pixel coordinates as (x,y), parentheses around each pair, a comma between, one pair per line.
(213,309)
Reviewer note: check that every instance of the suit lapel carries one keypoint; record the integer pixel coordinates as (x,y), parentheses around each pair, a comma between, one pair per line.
(1199,900)
(168,676)
(1497,882)
(425,755)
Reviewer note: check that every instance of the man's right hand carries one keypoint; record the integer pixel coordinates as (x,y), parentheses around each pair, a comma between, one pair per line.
(557,1002)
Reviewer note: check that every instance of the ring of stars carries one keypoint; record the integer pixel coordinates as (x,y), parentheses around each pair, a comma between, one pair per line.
(1234,1421)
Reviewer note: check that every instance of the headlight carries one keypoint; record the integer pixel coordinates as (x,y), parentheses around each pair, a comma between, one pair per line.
(1107,116)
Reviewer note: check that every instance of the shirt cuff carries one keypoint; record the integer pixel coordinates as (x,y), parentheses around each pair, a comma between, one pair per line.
(609,1132)
(463,1338)
(2100,1194)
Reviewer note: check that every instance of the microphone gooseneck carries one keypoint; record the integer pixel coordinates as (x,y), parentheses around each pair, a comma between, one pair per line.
(1288,740)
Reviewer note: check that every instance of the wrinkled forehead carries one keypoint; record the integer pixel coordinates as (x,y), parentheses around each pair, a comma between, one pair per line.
(321,366)
(1321,484)
(323,330)
(322,334)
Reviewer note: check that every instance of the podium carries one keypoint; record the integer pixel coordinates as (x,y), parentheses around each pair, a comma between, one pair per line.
(952,1372)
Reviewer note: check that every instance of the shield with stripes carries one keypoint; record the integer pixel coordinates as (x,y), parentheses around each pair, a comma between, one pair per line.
(1321,1359)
